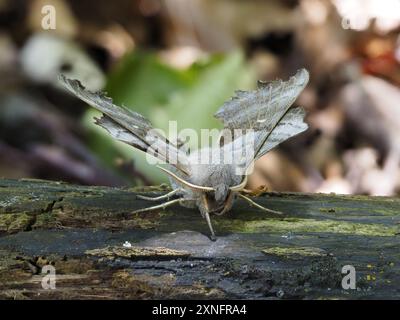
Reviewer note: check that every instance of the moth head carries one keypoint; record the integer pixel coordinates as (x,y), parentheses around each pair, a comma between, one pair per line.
(212,199)
(218,202)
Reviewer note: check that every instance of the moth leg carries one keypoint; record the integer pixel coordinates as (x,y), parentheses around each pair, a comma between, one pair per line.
(162,205)
(257,205)
(207,216)
(205,213)
(165,196)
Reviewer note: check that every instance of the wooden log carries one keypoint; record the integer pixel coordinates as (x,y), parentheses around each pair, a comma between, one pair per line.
(81,232)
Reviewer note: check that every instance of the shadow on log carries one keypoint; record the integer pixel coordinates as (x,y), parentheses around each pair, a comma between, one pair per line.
(81,231)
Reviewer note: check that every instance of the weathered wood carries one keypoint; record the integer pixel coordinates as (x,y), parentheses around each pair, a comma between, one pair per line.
(81,231)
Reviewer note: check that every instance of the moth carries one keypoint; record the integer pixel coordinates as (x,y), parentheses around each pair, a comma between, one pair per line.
(263,115)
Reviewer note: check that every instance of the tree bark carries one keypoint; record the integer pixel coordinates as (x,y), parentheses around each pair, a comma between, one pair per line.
(80,231)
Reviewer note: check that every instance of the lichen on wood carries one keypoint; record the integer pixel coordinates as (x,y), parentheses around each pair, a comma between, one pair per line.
(136,253)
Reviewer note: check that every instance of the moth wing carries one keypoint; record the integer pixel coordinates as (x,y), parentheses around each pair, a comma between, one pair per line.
(128,126)
(266,113)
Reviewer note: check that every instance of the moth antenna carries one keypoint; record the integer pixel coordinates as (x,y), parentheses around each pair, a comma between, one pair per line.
(164,196)
(239,187)
(255,204)
(188,184)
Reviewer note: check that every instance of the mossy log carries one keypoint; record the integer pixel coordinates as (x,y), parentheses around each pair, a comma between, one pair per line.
(81,230)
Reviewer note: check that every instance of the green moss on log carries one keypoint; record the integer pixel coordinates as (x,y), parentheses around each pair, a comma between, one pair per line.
(14,222)
(305,226)
(295,252)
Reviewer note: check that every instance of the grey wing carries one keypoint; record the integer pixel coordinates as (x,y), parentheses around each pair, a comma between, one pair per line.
(129,126)
(266,111)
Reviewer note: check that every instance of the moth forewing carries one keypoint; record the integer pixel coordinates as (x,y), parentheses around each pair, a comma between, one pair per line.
(126,125)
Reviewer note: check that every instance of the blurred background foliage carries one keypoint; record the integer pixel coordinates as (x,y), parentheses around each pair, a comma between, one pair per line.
(180,60)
